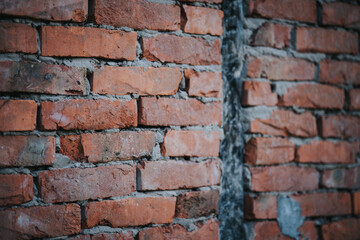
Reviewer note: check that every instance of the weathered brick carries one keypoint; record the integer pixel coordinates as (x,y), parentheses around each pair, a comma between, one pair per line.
(88,42)
(74,184)
(201,20)
(16,37)
(310,39)
(272,35)
(340,126)
(267,151)
(130,212)
(171,111)
(203,84)
(186,50)
(41,78)
(355,99)
(17,115)
(339,72)
(65,10)
(286,123)
(342,178)
(191,143)
(327,152)
(208,230)
(128,80)
(324,204)
(20,151)
(258,93)
(88,114)
(283,178)
(260,207)
(197,204)
(342,14)
(273,68)
(106,236)
(137,14)
(286,9)
(206,1)
(344,229)
(318,96)
(172,174)
(356,203)
(40,221)
(15,189)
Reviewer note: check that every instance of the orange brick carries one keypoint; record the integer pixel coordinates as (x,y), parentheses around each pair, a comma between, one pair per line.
(15,189)
(17,115)
(16,37)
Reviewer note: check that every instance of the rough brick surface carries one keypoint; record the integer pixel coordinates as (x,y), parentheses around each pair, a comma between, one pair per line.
(205,1)
(65,10)
(40,221)
(87,42)
(15,189)
(343,14)
(187,50)
(340,126)
(106,236)
(172,174)
(88,114)
(266,151)
(273,68)
(339,72)
(171,111)
(260,207)
(191,143)
(355,99)
(272,35)
(310,39)
(74,184)
(20,151)
(203,84)
(327,152)
(341,230)
(17,115)
(283,178)
(342,178)
(137,14)
(356,203)
(201,20)
(286,123)
(130,212)
(41,78)
(258,93)
(128,80)
(17,37)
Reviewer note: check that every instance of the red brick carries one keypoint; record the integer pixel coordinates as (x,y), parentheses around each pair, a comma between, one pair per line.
(17,115)
(356,203)
(15,189)
(171,111)
(42,78)
(342,178)
(197,204)
(260,207)
(127,80)
(88,42)
(267,151)
(327,152)
(201,20)
(130,212)
(343,14)
(206,1)
(339,72)
(340,126)
(172,173)
(74,184)
(309,95)
(283,178)
(40,221)
(286,123)
(205,231)
(88,114)
(191,143)
(65,10)
(324,204)
(258,93)
(310,39)
(20,151)
(137,14)
(286,9)
(17,37)
(273,68)
(272,35)
(186,50)
(203,84)
(308,231)
(106,236)
(341,230)
(355,99)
